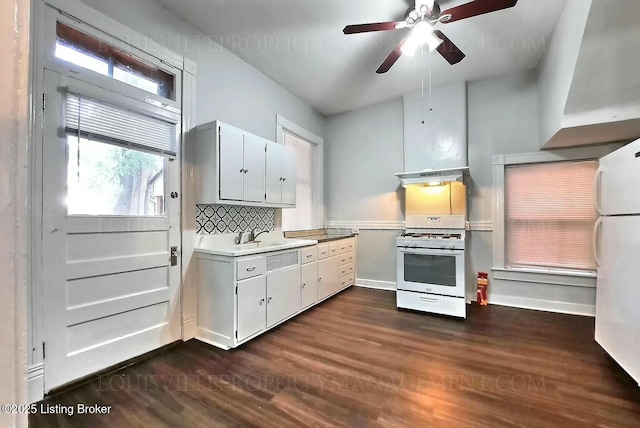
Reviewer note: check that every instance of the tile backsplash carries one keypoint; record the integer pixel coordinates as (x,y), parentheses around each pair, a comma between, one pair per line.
(212,219)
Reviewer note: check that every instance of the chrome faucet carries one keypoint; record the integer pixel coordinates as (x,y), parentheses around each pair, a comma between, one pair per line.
(253,235)
(238,239)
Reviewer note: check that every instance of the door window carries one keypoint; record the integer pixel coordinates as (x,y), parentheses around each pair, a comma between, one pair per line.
(106,179)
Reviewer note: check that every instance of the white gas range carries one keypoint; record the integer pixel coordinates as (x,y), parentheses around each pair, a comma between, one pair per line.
(431,266)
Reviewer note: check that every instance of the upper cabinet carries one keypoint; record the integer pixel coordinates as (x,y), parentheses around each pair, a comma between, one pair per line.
(280,175)
(233,166)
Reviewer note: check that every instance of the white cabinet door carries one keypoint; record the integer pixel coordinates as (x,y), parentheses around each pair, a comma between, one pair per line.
(231,163)
(274,173)
(309,284)
(254,168)
(283,295)
(252,307)
(327,277)
(618,291)
(288,176)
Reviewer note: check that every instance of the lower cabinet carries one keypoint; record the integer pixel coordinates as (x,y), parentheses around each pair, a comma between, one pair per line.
(252,306)
(309,284)
(239,298)
(283,298)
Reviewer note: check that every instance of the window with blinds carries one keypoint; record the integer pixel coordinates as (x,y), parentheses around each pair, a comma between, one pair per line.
(94,119)
(549,215)
(302,216)
(116,159)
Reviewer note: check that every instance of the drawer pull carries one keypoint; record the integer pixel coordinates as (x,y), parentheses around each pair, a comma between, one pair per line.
(429,299)
(309,256)
(251,269)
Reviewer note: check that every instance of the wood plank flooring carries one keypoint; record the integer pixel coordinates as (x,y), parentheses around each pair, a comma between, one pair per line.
(356,361)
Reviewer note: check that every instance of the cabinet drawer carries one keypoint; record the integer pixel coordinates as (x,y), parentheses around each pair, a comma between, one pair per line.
(454,306)
(333,249)
(351,279)
(351,244)
(345,270)
(308,255)
(249,267)
(342,246)
(346,258)
(323,251)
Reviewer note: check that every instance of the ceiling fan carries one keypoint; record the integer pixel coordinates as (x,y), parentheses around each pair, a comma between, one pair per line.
(421,20)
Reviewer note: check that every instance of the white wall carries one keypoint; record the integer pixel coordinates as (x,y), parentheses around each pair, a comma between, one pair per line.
(503,119)
(228,88)
(441,141)
(14,125)
(363,149)
(558,65)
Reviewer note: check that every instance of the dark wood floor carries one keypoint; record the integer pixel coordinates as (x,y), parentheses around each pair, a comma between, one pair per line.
(355,361)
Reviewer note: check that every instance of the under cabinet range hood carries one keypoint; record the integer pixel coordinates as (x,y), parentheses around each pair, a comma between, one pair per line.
(432,177)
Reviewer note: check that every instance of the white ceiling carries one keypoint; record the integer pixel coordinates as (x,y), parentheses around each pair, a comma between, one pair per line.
(300,44)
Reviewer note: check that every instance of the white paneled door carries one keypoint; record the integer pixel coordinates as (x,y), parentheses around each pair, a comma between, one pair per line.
(111,285)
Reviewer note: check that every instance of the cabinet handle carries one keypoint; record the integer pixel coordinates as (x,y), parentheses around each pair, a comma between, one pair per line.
(246,170)
(242,171)
(319,279)
(284,179)
(303,285)
(251,269)
(261,302)
(428,299)
(309,256)
(269,300)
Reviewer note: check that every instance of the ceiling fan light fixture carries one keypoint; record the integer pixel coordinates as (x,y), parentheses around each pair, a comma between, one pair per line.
(421,34)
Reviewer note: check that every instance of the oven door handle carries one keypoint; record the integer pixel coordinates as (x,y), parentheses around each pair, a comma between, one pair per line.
(430,252)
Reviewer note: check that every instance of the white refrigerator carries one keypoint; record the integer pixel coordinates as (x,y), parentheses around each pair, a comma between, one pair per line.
(617,252)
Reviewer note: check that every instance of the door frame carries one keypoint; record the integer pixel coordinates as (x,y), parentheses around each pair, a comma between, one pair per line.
(124,38)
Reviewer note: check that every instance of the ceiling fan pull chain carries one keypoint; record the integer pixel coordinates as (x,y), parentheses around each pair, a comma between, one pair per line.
(430,85)
(422,80)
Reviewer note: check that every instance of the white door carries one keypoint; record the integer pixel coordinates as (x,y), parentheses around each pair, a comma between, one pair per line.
(254,168)
(283,295)
(274,173)
(231,163)
(309,284)
(618,291)
(252,307)
(288,176)
(111,291)
(617,190)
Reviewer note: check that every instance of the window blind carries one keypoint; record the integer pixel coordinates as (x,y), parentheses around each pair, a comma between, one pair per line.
(97,120)
(550,214)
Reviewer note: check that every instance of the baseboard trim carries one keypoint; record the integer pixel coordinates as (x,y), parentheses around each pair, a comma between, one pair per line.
(35,383)
(375,284)
(544,305)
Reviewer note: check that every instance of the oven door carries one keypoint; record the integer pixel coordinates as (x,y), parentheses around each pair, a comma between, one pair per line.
(431,271)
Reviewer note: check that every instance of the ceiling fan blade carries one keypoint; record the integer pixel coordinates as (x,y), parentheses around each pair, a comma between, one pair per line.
(366,28)
(475,8)
(448,50)
(392,58)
